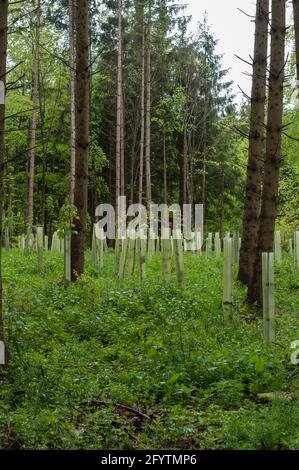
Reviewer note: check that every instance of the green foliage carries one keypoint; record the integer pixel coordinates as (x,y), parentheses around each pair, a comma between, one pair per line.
(68,213)
(146,346)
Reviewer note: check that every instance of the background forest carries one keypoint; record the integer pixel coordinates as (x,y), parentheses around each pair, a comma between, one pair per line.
(198,132)
(157,343)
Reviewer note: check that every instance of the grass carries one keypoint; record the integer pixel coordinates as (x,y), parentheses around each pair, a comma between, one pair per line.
(81,355)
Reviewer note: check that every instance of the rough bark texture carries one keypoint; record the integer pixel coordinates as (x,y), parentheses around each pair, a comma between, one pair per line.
(165,184)
(273,148)
(296,27)
(32,152)
(3,51)
(256,145)
(82,136)
(119,120)
(148,110)
(142,111)
(72,57)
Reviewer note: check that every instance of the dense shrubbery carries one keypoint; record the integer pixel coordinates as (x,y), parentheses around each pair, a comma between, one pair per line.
(147,347)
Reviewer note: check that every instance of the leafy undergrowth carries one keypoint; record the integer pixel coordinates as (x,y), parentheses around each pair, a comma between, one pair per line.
(134,365)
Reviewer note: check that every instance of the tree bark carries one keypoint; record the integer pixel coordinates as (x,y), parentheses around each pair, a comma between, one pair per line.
(32,152)
(119,120)
(296,28)
(142,109)
(3,54)
(148,110)
(82,137)
(165,184)
(72,58)
(273,148)
(256,145)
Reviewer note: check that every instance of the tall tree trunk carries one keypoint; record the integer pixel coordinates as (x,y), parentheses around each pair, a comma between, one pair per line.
(222,194)
(43,220)
(119,119)
(142,109)
(256,144)
(3,52)
(122,144)
(148,109)
(32,152)
(273,147)
(165,185)
(72,59)
(204,155)
(82,137)
(183,167)
(296,27)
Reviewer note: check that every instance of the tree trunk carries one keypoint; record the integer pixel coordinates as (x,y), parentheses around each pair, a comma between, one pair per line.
(3,52)
(82,137)
(148,110)
(222,194)
(142,111)
(204,155)
(256,145)
(72,59)
(122,145)
(118,182)
(296,27)
(273,147)
(165,189)
(32,152)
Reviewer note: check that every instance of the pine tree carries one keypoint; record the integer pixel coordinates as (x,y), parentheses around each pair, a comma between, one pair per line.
(273,148)
(256,144)
(33,130)
(3,54)
(82,137)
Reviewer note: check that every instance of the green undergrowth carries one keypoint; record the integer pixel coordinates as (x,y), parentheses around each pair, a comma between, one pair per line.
(81,356)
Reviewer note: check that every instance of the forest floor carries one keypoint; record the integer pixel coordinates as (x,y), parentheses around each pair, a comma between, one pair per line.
(132,365)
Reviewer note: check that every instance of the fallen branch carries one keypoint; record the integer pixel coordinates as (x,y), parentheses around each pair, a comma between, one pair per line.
(116,405)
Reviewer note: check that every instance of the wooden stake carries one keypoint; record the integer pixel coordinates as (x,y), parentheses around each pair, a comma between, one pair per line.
(99,241)
(179,258)
(46,243)
(142,255)
(150,247)
(296,249)
(40,248)
(123,258)
(6,239)
(55,247)
(227,279)
(131,253)
(217,245)
(268,297)
(277,248)
(198,241)
(235,247)
(67,258)
(166,253)
(2,353)
(291,251)
(117,250)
